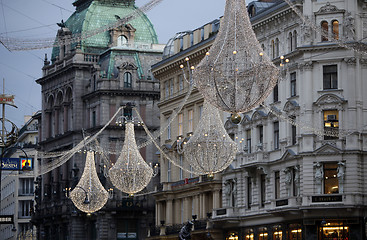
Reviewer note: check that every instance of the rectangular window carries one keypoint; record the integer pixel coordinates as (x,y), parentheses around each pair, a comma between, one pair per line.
(263,189)
(277,185)
(331,182)
(261,134)
(26,186)
(171,87)
(293,130)
(180,83)
(181,164)
(249,192)
(166,87)
(276,135)
(330,77)
(331,124)
(25,208)
(168,121)
(200,111)
(248,140)
(180,124)
(275,93)
(190,121)
(94,119)
(293,84)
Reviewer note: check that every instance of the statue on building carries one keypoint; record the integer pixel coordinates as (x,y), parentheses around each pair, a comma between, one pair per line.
(307,31)
(340,175)
(319,176)
(230,191)
(288,180)
(349,28)
(185,232)
(297,180)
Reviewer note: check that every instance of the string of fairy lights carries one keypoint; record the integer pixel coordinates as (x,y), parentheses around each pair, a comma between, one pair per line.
(235,76)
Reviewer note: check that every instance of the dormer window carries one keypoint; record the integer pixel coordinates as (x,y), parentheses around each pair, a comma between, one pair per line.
(127,80)
(122,41)
(325,31)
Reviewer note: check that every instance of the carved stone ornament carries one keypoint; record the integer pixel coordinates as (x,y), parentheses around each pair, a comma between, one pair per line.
(328,8)
(350,61)
(331,100)
(127,66)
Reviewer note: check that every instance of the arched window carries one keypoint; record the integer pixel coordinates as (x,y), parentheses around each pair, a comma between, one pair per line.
(272,49)
(276,47)
(290,42)
(324,31)
(335,24)
(127,80)
(294,39)
(122,41)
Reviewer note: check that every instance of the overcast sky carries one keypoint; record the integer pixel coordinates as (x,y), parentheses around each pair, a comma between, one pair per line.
(38,18)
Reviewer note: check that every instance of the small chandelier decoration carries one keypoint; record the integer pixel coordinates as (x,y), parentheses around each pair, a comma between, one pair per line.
(89,195)
(130,173)
(236,75)
(210,149)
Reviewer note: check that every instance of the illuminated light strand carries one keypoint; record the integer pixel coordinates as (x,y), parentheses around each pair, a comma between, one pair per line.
(210,149)
(89,195)
(130,173)
(236,75)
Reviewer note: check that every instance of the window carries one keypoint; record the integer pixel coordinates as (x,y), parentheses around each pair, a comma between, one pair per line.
(168,170)
(202,34)
(181,164)
(330,77)
(294,39)
(181,43)
(94,83)
(293,84)
(180,124)
(190,122)
(331,182)
(25,208)
(180,83)
(272,49)
(171,87)
(334,230)
(122,40)
(26,186)
(127,80)
(263,189)
(331,124)
(249,234)
(168,121)
(128,113)
(277,47)
(263,233)
(166,87)
(275,93)
(277,185)
(94,118)
(249,192)
(324,31)
(191,39)
(248,140)
(277,232)
(293,130)
(200,111)
(276,135)
(261,134)
(335,24)
(290,42)
(295,231)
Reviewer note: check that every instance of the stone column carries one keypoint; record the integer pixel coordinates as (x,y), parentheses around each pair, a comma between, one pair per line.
(169,211)
(216,199)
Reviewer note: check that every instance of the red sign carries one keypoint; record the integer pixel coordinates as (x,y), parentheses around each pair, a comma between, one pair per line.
(7,99)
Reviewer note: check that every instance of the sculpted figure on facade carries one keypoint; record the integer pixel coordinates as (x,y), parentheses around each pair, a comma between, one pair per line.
(340,175)
(307,31)
(297,180)
(230,191)
(319,176)
(349,28)
(288,180)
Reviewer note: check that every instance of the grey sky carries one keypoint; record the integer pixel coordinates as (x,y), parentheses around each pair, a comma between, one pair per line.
(21,69)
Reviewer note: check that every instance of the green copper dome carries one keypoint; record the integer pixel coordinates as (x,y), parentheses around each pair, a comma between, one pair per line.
(96,14)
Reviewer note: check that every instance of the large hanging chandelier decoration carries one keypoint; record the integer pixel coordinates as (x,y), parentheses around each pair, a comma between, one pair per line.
(210,149)
(236,75)
(89,194)
(130,173)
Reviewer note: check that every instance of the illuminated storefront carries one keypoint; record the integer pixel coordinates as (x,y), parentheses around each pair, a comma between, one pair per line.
(334,231)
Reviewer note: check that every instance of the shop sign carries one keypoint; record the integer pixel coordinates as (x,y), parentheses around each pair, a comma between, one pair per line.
(280,203)
(4,219)
(7,99)
(10,164)
(334,198)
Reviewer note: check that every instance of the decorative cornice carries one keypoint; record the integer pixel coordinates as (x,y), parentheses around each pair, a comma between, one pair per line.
(329,9)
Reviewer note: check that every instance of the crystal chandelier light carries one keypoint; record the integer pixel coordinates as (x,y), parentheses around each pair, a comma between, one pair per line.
(130,173)
(236,75)
(89,195)
(210,149)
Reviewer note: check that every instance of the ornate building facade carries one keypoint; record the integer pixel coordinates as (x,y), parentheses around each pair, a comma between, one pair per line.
(300,172)
(83,86)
